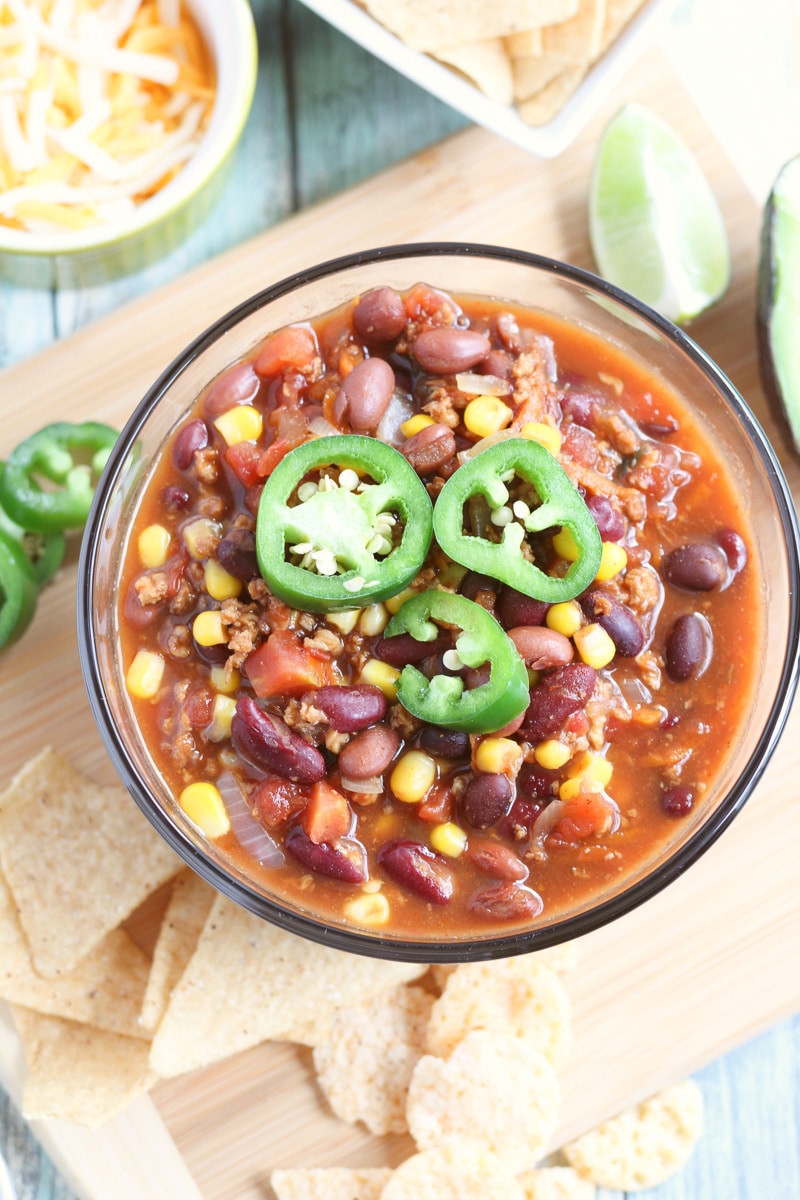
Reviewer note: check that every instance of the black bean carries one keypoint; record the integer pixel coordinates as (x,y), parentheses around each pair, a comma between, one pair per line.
(676,801)
(697,567)
(487,798)
(237,554)
(621,625)
(687,647)
(445,743)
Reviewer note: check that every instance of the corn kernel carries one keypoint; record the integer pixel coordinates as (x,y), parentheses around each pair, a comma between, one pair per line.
(552,754)
(242,423)
(153,545)
(413,776)
(594,645)
(545,435)
(207,629)
(220,585)
(415,423)
(374,619)
(498,756)
(344,621)
(565,545)
(370,910)
(203,805)
(144,675)
(201,536)
(382,675)
(614,558)
(395,603)
(221,717)
(591,766)
(565,617)
(568,789)
(224,681)
(449,839)
(486,415)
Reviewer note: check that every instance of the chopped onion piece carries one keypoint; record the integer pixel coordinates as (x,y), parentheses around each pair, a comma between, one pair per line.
(398,410)
(250,833)
(321,427)
(548,350)
(546,820)
(483,385)
(502,435)
(370,787)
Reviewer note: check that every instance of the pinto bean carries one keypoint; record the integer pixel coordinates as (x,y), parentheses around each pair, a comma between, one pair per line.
(496,860)
(687,647)
(268,742)
(349,709)
(449,349)
(506,902)
(697,567)
(365,394)
(328,858)
(380,315)
(418,869)
(540,647)
(430,449)
(369,753)
(486,799)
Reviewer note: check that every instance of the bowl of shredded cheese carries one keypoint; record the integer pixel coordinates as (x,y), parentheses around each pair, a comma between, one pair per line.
(117,118)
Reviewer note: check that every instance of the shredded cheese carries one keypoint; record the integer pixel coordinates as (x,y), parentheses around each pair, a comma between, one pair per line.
(101,103)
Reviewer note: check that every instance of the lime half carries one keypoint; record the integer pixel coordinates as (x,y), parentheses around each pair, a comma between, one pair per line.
(655,225)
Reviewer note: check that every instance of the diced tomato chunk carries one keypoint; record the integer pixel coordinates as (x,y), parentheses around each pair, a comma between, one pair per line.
(243,458)
(281,666)
(437,807)
(327,815)
(293,346)
(587,815)
(276,800)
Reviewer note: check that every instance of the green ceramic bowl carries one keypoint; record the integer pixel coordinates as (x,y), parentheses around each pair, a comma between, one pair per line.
(102,253)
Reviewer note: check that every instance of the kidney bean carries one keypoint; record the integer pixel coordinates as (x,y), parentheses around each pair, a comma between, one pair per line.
(514,608)
(268,742)
(418,869)
(448,349)
(239,385)
(677,801)
(497,363)
(192,437)
(496,860)
(380,315)
(540,647)
(403,649)
(429,449)
(473,582)
(365,394)
(619,622)
(486,799)
(237,554)
(451,744)
(687,647)
(580,407)
(558,695)
(733,547)
(657,430)
(349,708)
(326,858)
(475,677)
(215,656)
(369,753)
(609,522)
(538,782)
(506,902)
(698,567)
(198,707)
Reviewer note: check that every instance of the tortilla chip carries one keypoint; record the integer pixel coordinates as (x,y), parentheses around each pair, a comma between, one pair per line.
(249,982)
(531,74)
(105,989)
(185,916)
(515,995)
(485,64)
(494,1089)
(330,1183)
(460,1169)
(643,1146)
(78,1073)
(365,1064)
(618,14)
(556,1183)
(435,25)
(78,858)
(524,44)
(579,40)
(541,108)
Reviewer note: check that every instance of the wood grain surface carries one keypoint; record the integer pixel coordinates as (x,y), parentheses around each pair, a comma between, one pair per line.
(699,969)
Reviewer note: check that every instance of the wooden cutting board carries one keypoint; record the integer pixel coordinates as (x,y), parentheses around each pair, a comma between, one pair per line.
(707,964)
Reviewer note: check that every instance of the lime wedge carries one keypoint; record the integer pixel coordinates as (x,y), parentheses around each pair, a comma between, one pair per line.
(655,225)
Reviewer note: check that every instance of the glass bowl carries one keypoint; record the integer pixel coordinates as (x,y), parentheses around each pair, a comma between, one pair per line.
(533,282)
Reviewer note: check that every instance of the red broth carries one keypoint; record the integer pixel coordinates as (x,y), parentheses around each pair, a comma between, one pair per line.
(486,832)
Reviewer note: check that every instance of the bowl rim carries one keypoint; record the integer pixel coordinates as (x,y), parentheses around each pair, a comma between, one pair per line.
(228,118)
(502,945)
